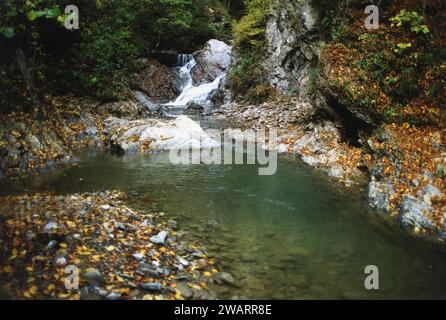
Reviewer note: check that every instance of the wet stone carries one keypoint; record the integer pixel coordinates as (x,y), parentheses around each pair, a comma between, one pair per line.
(185,291)
(93,276)
(151,286)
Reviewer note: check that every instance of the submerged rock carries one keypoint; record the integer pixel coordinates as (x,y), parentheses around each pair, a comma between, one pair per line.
(225,278)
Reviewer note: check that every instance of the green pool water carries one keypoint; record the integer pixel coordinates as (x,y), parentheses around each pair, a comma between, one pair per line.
(292,235)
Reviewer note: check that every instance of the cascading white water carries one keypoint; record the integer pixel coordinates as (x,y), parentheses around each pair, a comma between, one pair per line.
(199,94)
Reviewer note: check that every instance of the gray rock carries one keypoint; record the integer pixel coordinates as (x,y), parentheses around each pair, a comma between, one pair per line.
(51,227)
(138,256)
(145,103)
(430,192)
(336,172)
(292,45)
(212,61)
(185,291)
(183,261)
(52,244)
(146,269)
(225,278)
(194,108)
(379,194)
(160,238)
(151,286)
(101,292)
(93,276)
(113,296)
(413,213)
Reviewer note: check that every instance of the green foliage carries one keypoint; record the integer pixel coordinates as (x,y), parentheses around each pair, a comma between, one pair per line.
(106,55)
(101,57)
(411,19)
(247,78)
(249,32)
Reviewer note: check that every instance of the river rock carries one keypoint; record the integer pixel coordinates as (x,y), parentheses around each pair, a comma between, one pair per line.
(379,194)
(157,81)
(212,61)
(160,238)
(144,103)
(113,296)
(146,269)
(51,227)
(194,108)
(185,291)
(414,213)
(430,192)
(93,276)
(155,135)
(151,286)
(138,256)
(225,278)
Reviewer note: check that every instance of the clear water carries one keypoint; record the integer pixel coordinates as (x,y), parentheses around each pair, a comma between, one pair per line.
(294,235)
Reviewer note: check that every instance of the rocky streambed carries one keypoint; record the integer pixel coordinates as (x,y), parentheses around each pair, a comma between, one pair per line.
(93,246)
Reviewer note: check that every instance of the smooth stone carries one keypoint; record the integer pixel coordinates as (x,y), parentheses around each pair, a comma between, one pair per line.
(151,286)
(113,296)
(183,261)
(50,226)
(185,291)
(61,262)
(93,276)
(51,244)
(160,238)
(138,256)
(224,278)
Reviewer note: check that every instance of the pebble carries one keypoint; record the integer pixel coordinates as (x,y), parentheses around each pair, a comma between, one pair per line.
(61,262)
(224,278)
(138,256)
(160,238)
(93,276)
(185,291)
(113,296)
(183,261)
(52,244)
(50,226)
(151,286)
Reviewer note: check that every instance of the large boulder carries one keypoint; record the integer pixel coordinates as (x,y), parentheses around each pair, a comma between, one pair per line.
(157,81)
(293,43)
(156,135)
(212,62)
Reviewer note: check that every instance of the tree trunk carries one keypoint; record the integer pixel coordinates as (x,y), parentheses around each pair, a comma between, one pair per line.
(27,75)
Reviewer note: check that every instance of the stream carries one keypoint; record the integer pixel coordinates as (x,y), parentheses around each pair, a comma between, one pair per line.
(292,235)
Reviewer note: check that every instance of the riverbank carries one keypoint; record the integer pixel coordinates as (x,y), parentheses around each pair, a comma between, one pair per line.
(118,252)
(404,165)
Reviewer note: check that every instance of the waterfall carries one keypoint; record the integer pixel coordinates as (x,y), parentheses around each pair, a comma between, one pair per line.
(200,94)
